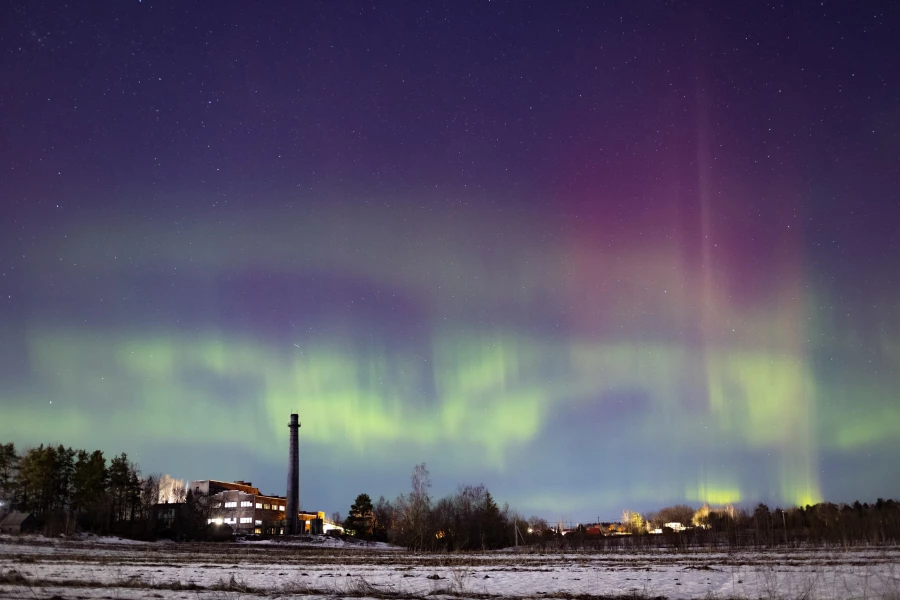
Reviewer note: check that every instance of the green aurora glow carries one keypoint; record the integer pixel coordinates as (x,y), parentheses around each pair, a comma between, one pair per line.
(701,402)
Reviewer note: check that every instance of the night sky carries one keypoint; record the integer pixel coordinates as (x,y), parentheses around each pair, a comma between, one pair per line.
(596,256)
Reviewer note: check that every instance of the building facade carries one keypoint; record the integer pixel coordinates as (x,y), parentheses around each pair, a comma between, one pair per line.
(247,511)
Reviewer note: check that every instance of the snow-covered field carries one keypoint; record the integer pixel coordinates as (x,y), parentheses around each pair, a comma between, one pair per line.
(322,568)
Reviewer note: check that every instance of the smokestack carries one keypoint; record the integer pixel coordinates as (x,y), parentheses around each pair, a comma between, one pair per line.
(293,482)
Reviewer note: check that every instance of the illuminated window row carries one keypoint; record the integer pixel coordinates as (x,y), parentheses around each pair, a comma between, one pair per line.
(231,521)
(250,504)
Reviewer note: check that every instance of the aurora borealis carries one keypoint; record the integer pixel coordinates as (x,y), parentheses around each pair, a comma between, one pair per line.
(595,258)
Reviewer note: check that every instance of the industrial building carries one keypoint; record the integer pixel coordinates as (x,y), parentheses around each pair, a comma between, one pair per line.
(242,506)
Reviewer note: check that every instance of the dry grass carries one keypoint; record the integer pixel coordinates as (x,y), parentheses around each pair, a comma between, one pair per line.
(12,577)
(458,575)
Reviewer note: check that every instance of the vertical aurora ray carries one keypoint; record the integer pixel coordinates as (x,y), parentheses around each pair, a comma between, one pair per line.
(761,390)
(759,385)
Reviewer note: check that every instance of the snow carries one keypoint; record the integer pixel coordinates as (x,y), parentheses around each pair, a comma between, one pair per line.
(109,567)
(96,539)
(324,541)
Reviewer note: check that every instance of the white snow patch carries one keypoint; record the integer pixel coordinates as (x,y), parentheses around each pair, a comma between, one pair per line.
(330,569)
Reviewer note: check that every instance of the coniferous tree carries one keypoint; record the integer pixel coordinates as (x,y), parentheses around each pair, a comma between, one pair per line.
(362,517)
(124,489)
(9,465)
(492,527)
(34,480)
(89,490)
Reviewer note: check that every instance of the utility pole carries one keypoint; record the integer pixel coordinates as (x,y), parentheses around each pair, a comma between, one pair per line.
(784,524)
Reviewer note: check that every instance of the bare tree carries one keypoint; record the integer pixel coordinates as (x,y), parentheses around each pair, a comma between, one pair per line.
(149,497)
(171,490)
(384,519)
(680,513)
(414,510)
(633,522)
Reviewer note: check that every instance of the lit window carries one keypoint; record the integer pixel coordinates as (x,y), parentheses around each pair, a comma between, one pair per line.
(258,522)
(246,504)
(259,505)
(231,505)
(216,521)
(246,519)
(230,520)
(280,507)
(267,506)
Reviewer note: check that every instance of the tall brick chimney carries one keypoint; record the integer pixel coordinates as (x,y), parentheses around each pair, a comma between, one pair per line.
(293,481)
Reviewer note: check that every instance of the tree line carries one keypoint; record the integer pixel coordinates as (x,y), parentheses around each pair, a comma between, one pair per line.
(730,527)
(70,489)
(468,519)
